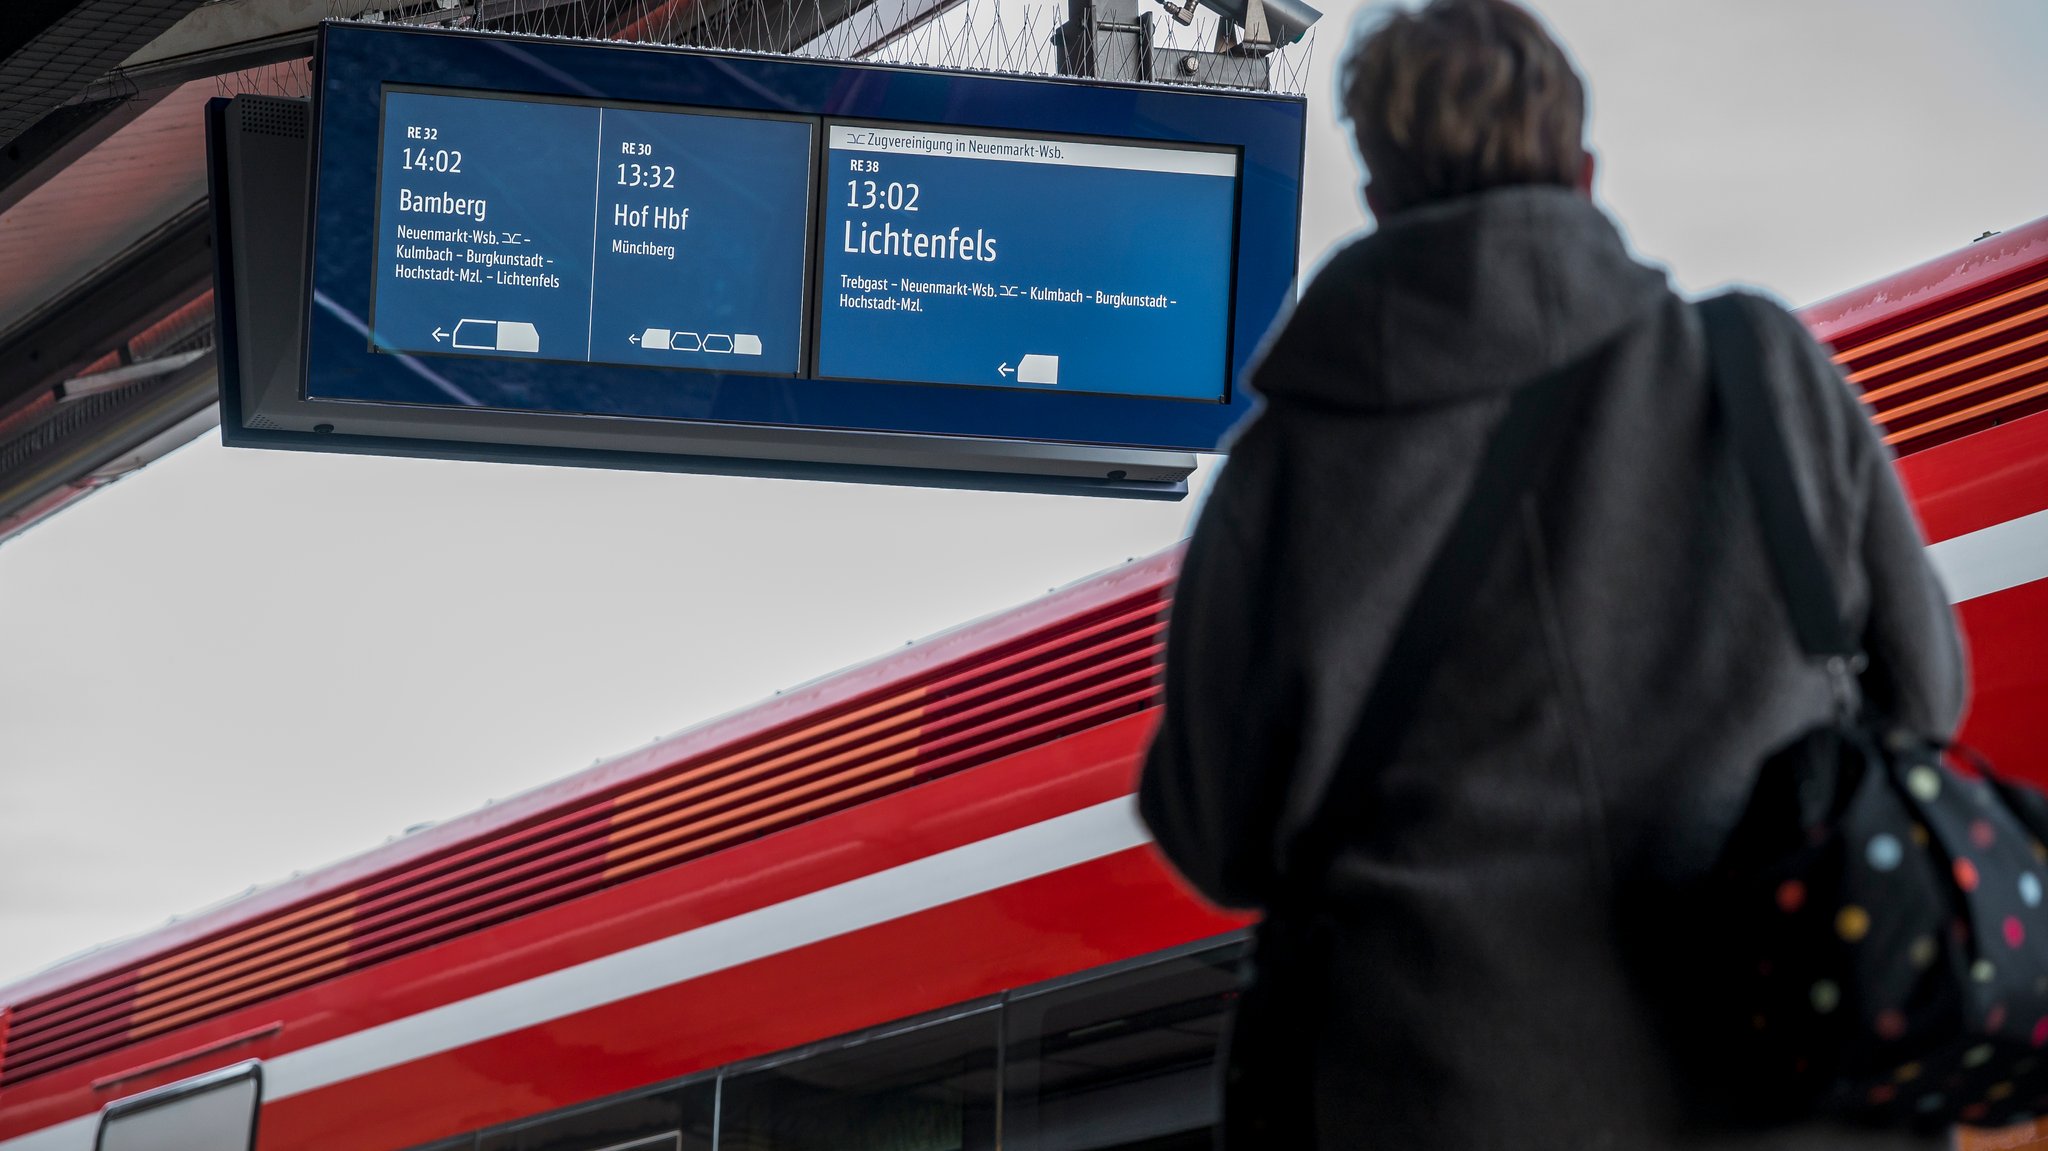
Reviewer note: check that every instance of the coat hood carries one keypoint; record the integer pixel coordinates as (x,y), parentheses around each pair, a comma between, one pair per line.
(1455,300)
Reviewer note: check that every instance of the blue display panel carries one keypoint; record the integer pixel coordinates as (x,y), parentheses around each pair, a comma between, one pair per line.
(567,231)
(968,258)
(373,352)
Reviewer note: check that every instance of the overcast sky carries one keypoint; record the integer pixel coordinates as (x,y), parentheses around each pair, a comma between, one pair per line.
(237,664)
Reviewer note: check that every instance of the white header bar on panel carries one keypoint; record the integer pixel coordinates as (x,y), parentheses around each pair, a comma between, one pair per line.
(1026,150)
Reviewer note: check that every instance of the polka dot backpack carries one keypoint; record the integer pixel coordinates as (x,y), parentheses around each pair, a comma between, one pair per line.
(1880,934)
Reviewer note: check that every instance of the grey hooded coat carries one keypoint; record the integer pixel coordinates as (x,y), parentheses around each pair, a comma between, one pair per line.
(1597,724)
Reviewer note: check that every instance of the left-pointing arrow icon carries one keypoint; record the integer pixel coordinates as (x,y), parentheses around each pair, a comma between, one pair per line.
(439,335)
(1005,369)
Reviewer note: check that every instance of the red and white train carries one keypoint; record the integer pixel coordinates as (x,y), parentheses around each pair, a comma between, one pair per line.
(908,908)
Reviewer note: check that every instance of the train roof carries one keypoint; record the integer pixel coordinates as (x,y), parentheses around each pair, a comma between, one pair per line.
(1951,346)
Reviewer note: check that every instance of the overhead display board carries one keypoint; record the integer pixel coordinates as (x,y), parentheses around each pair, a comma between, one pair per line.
(524,248)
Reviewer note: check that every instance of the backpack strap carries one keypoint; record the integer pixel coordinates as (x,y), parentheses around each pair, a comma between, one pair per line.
(1735,358)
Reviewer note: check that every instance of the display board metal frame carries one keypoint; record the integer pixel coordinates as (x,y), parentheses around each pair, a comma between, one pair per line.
(751,424)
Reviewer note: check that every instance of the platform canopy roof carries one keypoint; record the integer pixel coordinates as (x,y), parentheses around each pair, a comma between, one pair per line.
(106,317)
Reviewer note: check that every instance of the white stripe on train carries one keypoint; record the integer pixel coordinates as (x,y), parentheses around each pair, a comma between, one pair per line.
(73,1135)
(1977,564)
(1011,857)
(960,873)
(1993,559)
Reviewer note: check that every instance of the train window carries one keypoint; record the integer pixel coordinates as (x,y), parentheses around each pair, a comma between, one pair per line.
(677,1119)
(1122,1062)
(214,1112)
(928,1089)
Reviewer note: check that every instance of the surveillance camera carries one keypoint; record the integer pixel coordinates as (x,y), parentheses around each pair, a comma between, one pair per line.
(1286,20)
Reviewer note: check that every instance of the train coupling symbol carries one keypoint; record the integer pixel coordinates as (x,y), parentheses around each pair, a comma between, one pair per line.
(1034,369)
(494,336)
(740,344)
